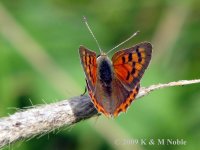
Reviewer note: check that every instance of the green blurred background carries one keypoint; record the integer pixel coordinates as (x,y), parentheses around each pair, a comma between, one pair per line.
(39,62)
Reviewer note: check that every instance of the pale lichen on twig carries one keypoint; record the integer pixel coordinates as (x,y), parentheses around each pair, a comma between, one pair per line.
(43,119)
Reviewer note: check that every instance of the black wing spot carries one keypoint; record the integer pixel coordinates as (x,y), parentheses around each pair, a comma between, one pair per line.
(137,49)
(126,106)
(139,59)
(134,95)
(130,57)
(123,59)
(128,76)
(85,59)
(139,54)
(90,60)
(119,110)
(90,73)
(133,71)
(137,88)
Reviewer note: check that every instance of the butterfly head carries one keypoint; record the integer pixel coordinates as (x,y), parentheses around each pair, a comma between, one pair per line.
(101,54)
(103,57)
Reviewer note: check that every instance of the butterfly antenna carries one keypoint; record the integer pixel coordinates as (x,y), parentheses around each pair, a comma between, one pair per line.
(134,34)
(87,25)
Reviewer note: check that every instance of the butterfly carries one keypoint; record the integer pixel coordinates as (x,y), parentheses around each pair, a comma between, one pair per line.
(114,83)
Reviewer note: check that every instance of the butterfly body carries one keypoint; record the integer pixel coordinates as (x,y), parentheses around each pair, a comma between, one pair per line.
(104,70)
(105,79)
(113,84)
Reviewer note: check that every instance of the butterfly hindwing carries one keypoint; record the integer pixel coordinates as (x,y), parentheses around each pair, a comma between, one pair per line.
(117,102)
(126,100)
(129,64)
(88,61)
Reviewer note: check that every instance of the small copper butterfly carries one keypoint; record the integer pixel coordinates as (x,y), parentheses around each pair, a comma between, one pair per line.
(113,84)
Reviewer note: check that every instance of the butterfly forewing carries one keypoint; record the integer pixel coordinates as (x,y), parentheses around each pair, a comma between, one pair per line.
(88,61)
(129,64)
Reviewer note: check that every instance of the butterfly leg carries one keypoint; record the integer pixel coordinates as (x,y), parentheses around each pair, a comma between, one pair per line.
(85,89)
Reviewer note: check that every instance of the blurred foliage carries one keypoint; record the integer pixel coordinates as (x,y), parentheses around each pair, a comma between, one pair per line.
(57,26)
